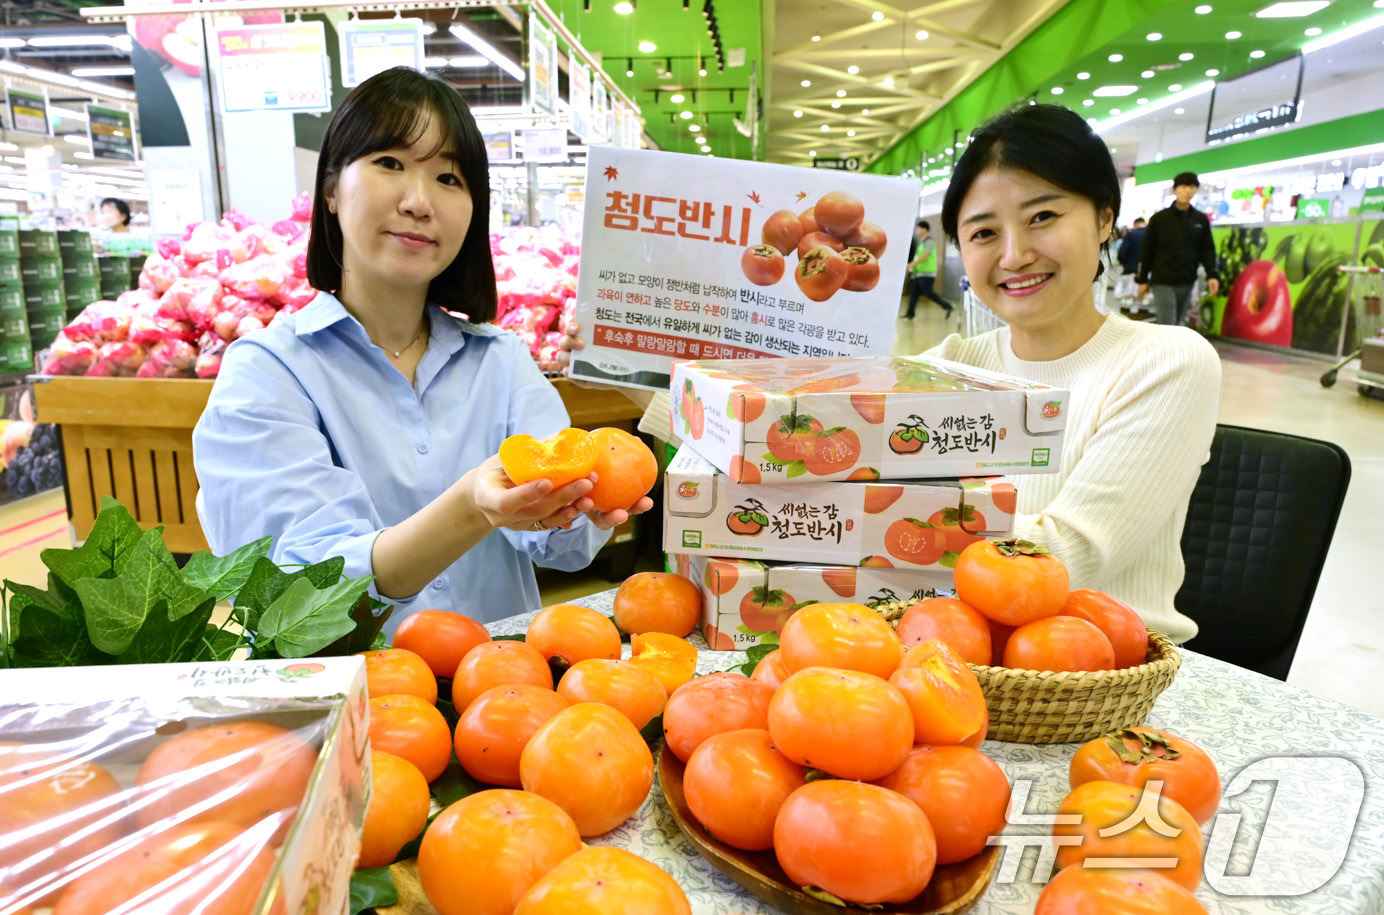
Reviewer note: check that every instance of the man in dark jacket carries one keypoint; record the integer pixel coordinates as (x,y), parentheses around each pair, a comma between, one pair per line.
(1130,247)
(1176,241)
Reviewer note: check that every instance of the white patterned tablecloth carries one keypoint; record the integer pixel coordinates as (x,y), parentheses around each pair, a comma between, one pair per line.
(1294,815)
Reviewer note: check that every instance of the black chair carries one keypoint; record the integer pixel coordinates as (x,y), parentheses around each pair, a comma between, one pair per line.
(1258,528)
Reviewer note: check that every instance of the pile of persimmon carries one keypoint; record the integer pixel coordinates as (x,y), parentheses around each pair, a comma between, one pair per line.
(571,745)
(836,248)
(1175,789)
(203,820)
(624,466)
(854,759)
(1013,609)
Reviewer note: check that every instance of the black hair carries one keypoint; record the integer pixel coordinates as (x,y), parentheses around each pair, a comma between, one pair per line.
(392,109)
(1139,219)
(1188,179)
(121,207)
(1049,141)
(923,224)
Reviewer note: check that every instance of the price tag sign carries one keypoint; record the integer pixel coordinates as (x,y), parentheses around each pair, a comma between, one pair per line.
(579,88)
(545,145)
(277,67)
(370,46)
(600,113)
(29,111)
(499,146)
(111,132)
(542,66)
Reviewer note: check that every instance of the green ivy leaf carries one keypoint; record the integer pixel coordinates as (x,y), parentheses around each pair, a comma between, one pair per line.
(116,608)
(264,585)
(303,620)
(219,644)
(369,616)
(108,547)
(163,639)
(653,733)
(371,888)
(223,576)
(753,655)
(52,639)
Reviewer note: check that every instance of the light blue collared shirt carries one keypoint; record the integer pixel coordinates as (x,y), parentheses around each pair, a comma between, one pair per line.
(312,437)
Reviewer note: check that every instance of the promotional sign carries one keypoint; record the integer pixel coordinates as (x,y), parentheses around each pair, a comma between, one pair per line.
(499,145)
(579,88)
(277,67)
(111,132)
(542,66)
(29,111)
(370,46)
(1280,285)
(688,257)
(1313,208)
(545,145)
(1373,201)
(175,200)
(634,126)
(846,164)
(1268,97)
(617,124)
(600,112)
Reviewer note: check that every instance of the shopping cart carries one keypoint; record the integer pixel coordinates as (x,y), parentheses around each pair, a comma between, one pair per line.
(1367,298)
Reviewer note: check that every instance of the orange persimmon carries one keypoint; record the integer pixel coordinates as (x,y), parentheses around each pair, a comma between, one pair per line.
(569,455)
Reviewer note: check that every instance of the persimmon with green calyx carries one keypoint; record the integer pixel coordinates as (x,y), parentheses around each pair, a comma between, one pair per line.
(1136,756)
(569,455)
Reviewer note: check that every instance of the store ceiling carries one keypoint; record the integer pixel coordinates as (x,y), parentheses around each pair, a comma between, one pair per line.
(680,32)
(910,58)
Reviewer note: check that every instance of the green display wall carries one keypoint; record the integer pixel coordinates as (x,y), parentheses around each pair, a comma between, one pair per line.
(1280,285)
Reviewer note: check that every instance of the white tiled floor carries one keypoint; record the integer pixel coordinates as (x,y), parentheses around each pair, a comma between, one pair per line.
(1342,649)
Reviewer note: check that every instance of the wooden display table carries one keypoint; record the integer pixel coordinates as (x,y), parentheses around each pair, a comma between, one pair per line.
(131,438)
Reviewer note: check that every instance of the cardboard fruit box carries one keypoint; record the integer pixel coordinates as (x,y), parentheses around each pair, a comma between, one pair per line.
(863,418)
(916,523)
(745,602)
(117,721)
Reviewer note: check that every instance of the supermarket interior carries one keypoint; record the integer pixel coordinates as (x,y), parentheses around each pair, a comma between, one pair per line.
(249,402)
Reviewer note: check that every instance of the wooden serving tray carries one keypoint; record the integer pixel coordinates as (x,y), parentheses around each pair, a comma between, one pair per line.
(954,887)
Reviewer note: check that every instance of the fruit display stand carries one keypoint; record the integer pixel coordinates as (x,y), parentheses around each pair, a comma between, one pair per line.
(131,438)
(1243,719)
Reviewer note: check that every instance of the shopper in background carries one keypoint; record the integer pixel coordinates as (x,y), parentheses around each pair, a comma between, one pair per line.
(1131,246)
(115,214)
(1031,204)
(366,425)
(1177,240)
(922,269)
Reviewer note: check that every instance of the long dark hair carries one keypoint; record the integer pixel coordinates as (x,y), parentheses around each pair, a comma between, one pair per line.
(393,109)
(1050,141)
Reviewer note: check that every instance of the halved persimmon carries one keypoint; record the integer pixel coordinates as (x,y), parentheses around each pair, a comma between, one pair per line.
(671,659)
(942,692)
(569,455)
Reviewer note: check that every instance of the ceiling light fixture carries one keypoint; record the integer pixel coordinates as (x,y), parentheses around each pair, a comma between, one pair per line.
(1114,91)
(1141,101)
(1186,55)
(921,35)
(1147,74)
(1115,58)
(1058,90)
(1255,55)
(1179,111)
(812,153)
(685,115)
(677,98)
(702,72)
(825,128)
(887,81)
(647,47)
(816,38)
(11,42)
(876,15)
(1213,72)
(798,113)
(486,50)
(695,128)
(1167,102)
(840,93)
(1155,36)
(1202,10)
(1312,32)
(1114,111)
(865,112)
(623,8)
(852,69)
(807,83)
(1087,102)
(850,133)
(1232,35)
(1083,75)
(73,41)
(1175,87)
(836,104)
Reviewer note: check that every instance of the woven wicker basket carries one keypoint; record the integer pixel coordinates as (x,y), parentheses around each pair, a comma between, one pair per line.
(1041,706)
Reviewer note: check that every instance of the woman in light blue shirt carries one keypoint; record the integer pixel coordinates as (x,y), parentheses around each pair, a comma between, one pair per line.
(366,425)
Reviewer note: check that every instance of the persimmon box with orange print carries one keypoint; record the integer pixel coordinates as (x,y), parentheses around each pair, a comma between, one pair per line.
(249,779)
(913,524)
(744,600)
(865,418)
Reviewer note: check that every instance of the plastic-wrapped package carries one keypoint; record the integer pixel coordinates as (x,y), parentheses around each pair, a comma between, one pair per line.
(259,278)
(159,271)
(67,356)
(123,358)
(234,788)
(194,300)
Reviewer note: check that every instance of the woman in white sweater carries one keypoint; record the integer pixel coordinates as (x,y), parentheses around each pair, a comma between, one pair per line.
(1031,203)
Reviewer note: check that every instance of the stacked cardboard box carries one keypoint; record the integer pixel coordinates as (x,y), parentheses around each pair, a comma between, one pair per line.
(81,277)
(16,354)
(41,274)
(861,479)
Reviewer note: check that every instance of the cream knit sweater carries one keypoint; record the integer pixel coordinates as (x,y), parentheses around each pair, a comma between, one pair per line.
(1139,424)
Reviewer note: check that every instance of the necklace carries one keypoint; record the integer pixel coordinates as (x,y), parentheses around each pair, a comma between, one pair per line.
(397,354)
